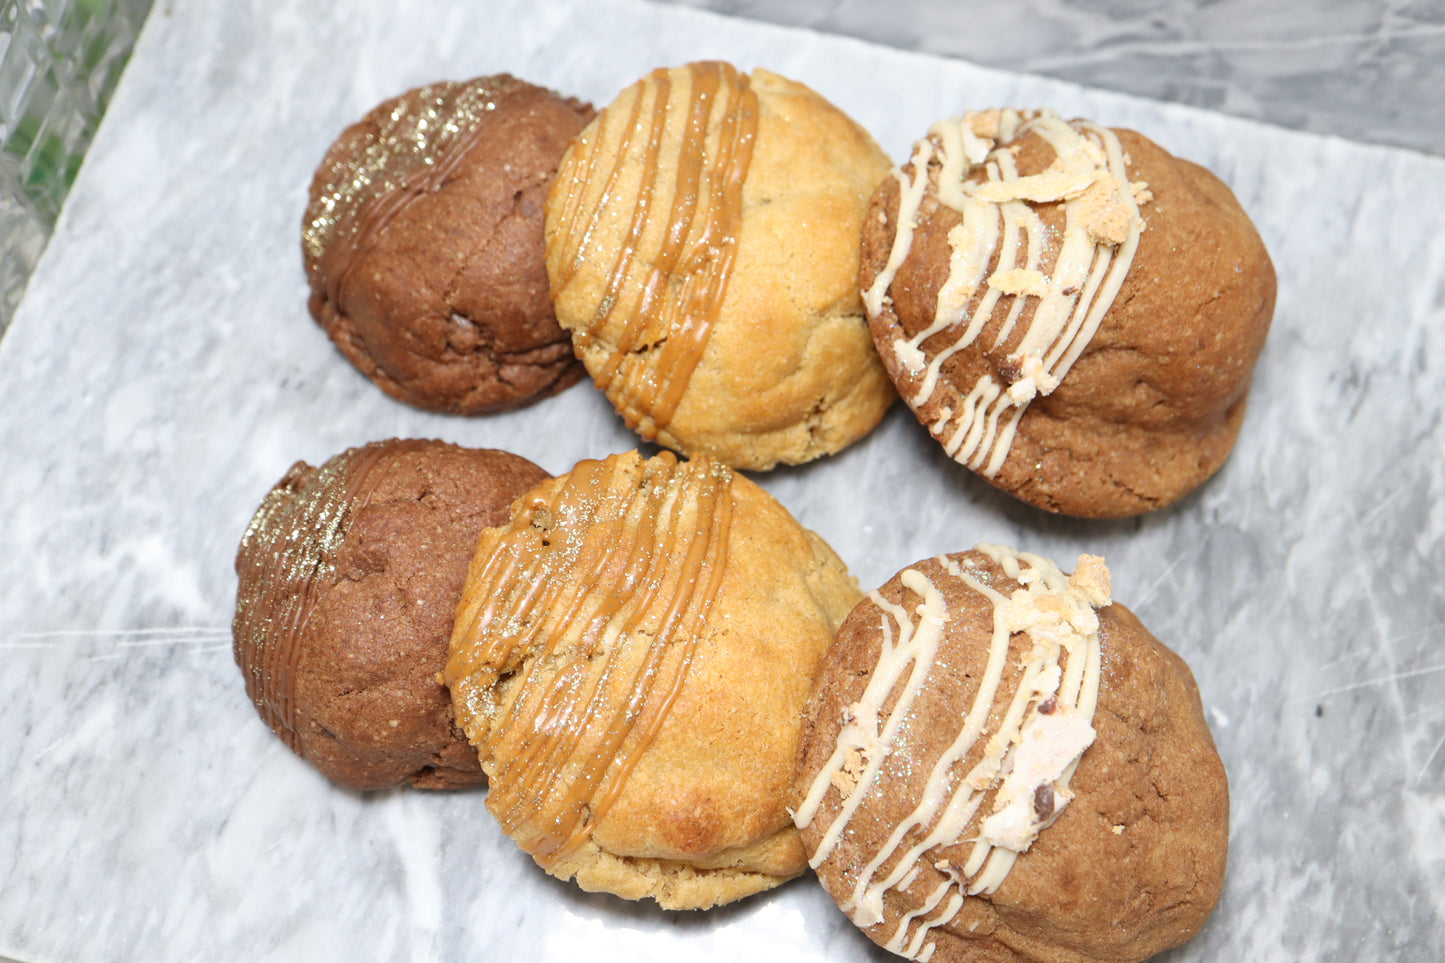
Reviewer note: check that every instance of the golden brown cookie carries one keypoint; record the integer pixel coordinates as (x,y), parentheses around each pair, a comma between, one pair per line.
(1071,311)
(999,764)
(631,657)
(348,576)
(423,244)
(699,239)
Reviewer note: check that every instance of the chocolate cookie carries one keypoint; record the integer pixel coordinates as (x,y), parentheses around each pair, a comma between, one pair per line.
(999,764)
(702,243)
(1071,311)
(423,244)
(631,658)
(349,575)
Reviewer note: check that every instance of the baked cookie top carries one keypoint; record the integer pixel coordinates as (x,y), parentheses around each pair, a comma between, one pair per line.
(422,242)
(1072,312)
(702,243)
(999,763)
(631,657)
(348,575)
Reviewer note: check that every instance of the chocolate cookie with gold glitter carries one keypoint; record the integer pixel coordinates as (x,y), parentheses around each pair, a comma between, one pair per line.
(702,244)
(348,577)
(423,244)
(631,657)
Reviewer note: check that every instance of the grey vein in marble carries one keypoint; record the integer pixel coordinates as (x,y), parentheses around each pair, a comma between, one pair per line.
(1369,70)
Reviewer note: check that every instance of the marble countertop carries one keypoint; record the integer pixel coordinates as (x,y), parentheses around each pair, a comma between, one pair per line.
(1369,70)
(162,373)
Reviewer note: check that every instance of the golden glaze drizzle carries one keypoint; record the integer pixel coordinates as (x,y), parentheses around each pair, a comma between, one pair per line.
(1020,778)
(415,147)
(289,553)
(1102,228)
(663,303)
(577,631)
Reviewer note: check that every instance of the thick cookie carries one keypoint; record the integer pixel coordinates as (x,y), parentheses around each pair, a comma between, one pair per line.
(423,244)
(631,658)
(998,764)
(348,578)
(701,243)
(1072,312)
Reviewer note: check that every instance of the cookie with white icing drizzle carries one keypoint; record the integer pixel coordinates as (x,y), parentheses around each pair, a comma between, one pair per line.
(1001,764)
(631,657)
(702,247)
(1071,311)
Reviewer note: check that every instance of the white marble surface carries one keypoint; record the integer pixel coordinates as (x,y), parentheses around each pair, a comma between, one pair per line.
(162,373)
(1370,70)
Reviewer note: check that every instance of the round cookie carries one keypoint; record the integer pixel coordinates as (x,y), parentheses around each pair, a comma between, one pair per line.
(631,658)
(349,575)
(423,244)
(702,238)
(1071,311)
(998,764)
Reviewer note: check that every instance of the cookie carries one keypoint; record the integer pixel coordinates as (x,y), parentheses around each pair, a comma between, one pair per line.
(631,658)
(702,241)
(349,575)
(423,245)
(999,764)
(1071,311)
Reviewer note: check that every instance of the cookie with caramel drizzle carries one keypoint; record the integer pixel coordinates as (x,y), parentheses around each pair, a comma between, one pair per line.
(630,657)
(702,243)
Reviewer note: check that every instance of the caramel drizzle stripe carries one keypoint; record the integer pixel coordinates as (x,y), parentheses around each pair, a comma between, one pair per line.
(516,584)
(705,558)
(681,295)
(572,256)
(629,337)
(658,311)
(566,701)
(550,782)
(369,219)
(689,315)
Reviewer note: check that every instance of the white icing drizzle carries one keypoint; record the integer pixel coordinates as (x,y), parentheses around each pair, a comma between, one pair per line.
(1101,234)
(1026,761)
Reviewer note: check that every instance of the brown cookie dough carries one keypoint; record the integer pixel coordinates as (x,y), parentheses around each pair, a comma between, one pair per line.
(349,575)
(423,244)
(631,658)
(998,764)
(1072,312)
(702,242)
